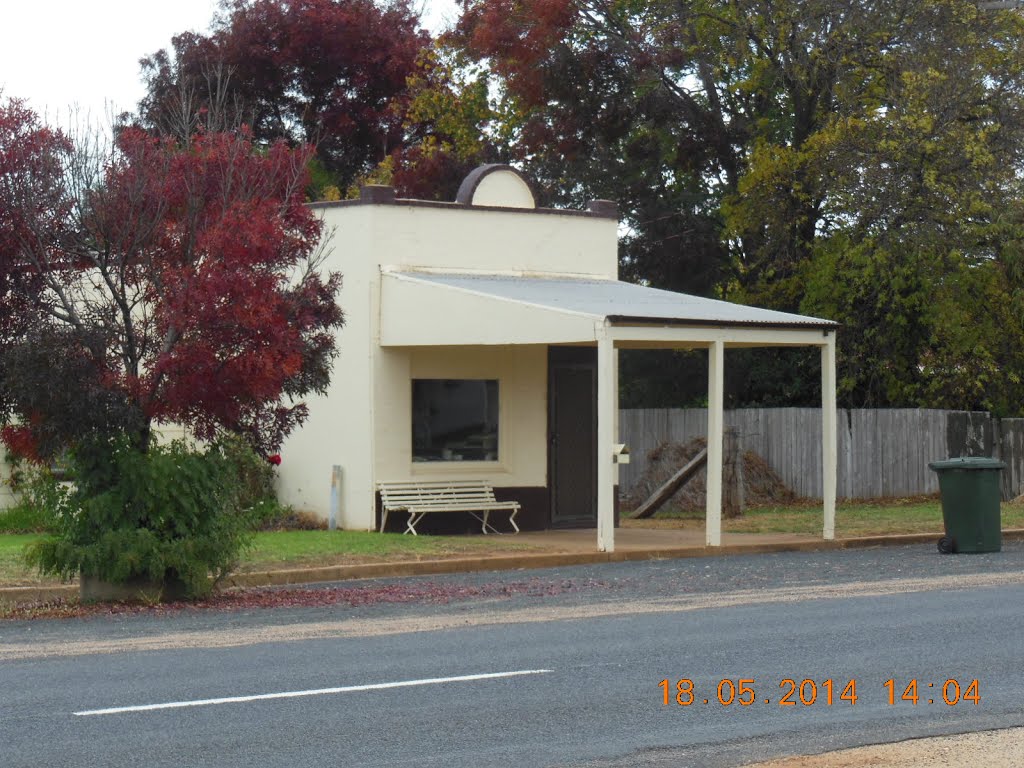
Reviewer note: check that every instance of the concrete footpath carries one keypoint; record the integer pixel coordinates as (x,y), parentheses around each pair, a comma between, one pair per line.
(547,549)
(992,749)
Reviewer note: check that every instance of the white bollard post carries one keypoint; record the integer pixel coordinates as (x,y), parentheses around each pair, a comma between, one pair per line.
(332,518)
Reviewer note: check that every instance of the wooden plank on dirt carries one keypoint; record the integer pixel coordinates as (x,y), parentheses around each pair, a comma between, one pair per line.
(670,486)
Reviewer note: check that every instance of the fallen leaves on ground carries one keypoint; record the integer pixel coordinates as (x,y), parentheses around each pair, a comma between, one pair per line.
(425,593)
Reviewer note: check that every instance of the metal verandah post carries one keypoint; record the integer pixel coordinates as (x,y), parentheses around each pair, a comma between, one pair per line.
(605,438)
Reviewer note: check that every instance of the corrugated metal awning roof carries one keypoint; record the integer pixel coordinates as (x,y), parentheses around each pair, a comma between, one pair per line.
(618,302)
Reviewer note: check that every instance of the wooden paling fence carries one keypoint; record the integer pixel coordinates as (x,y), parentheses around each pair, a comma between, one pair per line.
(882,452)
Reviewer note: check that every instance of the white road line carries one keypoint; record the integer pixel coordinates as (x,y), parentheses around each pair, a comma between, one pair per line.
(318,692)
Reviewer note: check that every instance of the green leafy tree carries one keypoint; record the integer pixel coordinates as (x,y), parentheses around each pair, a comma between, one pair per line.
(841,157)
(448,120)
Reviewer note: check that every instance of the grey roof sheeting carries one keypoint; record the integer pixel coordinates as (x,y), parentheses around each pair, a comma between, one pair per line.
(621,303)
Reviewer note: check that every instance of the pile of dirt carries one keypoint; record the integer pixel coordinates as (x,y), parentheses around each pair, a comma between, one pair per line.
(761,485)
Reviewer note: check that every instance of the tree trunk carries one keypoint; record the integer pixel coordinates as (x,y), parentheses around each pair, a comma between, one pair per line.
(732,474)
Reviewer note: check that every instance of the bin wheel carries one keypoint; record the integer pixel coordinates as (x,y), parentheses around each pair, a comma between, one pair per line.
(946,545)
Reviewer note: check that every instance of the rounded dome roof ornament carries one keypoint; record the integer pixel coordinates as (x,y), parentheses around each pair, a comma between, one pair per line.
(496,185)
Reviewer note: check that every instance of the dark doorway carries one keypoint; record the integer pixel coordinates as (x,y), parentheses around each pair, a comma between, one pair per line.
(572,436)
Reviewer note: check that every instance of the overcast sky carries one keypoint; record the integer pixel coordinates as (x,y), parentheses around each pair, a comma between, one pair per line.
(61,53)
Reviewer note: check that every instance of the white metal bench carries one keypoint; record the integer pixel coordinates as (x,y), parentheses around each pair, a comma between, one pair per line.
(420,499)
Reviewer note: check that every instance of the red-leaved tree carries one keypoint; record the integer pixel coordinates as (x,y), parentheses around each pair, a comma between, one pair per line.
(315,71)
(33,204)
(170,283)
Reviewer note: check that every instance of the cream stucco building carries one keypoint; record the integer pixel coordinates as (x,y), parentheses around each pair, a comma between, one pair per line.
(481,341)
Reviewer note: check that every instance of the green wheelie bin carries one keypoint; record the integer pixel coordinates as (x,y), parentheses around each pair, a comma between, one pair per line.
(970,493)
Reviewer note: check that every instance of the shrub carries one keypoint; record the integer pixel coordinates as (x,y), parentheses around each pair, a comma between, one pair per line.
(254,482)
(171,515)
(22,518)
(40,498)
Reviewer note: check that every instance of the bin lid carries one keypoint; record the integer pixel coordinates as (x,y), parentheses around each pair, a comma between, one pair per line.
(967,463)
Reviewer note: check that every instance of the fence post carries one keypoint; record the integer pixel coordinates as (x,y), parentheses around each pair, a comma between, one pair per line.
(732,474)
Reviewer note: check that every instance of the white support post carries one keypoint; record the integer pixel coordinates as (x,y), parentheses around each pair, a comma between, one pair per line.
(716,419)
(616,433)
(829,436)
(605,439)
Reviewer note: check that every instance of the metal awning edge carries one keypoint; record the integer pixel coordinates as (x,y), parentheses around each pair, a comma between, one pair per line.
(633,322)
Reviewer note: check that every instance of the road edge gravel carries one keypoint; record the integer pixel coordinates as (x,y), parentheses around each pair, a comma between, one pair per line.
(528,561)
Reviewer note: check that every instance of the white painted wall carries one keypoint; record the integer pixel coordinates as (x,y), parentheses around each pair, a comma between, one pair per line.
(480,319)
(364,422)
(458,238)
(521,372)
(504,189)
(339,428)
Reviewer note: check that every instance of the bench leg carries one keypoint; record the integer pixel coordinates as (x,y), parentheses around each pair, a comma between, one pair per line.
(414,518)
(384,520)
(512,520)
(483,518)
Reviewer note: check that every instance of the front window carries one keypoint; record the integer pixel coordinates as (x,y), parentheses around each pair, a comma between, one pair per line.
(454,420)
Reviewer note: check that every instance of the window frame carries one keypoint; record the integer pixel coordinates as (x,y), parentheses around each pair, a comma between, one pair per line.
(462,465)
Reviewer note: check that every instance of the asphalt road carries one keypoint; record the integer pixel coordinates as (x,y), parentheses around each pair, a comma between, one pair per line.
(590,646)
